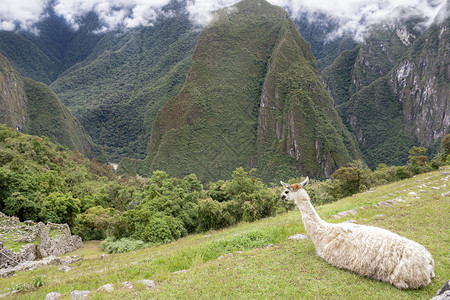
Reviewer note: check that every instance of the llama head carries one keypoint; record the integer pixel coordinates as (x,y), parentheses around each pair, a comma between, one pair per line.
(292,190)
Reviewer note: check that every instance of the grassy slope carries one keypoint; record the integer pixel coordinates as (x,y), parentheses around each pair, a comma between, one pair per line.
(289,269)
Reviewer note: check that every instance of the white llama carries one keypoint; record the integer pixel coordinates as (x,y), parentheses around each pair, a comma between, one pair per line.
(369,251)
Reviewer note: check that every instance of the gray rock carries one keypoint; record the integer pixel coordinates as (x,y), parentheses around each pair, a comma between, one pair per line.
(184,271)
(383,204)
(127,285)
(299,237)
(7,294)
(59,242)
(446,194)
(148,283)
(443,293)
(64,269)
(53,296)
(79,295)
(108,288)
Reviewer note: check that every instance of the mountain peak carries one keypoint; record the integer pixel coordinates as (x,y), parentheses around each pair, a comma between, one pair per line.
(242,103)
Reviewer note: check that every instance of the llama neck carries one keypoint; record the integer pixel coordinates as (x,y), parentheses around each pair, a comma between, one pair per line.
(311,220)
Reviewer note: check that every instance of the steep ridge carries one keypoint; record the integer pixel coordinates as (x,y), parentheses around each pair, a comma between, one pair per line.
(421,82)
(33,108)
(54,47)
(118,89)
(256,101)
(392,91)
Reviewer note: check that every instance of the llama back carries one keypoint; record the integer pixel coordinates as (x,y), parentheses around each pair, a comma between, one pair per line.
(376,253)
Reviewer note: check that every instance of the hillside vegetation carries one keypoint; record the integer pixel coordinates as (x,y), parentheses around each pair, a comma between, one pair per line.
(235,263)
(32,107)
(118,89)
(253,102)
(392,90)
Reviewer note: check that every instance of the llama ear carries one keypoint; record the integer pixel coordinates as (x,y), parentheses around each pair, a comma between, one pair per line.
(305,182)
(286,185)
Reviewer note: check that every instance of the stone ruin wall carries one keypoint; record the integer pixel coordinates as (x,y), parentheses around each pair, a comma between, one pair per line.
(43,240)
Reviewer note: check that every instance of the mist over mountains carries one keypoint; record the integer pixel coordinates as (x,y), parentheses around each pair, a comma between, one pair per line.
(352,16)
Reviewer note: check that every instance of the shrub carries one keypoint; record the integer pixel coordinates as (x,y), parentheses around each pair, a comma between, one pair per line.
(112,245)
(38,281)
(157,230)
(403,172)
(348,181)
(60,208)
(95,223)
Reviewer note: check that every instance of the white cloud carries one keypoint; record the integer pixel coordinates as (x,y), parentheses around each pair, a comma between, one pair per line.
(112,13)
(353,16)
(200,11)
(21,14)
(356,16)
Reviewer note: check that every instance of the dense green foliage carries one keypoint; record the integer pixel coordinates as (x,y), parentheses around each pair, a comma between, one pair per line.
(378,124)
(168,208)
(44,181)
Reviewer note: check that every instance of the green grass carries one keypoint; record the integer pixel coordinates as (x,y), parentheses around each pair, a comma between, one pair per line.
(234,264)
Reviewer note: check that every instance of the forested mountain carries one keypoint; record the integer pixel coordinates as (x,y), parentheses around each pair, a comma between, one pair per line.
(392,90)
(32,107)
(117,91)
(55,48)
(114,82)
(316,28)
(254,102)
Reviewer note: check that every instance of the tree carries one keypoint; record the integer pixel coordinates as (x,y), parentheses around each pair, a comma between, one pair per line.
(445,145)
(417,159)
(95,222)
(349,180)
(60,208)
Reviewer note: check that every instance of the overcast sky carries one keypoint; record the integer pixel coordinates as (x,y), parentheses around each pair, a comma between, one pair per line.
(353,15)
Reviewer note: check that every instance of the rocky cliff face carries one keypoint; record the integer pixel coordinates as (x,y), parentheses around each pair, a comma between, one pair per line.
(392,90)
(421,82)
(33,108)
(13,102)
(253,102)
